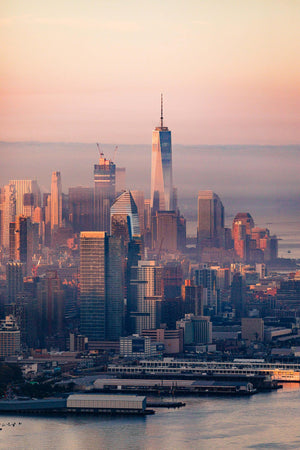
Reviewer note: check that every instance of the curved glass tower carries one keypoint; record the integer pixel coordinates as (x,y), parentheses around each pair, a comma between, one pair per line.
(161,169)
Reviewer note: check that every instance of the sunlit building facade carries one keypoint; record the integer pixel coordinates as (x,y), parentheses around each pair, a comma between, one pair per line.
(56,201)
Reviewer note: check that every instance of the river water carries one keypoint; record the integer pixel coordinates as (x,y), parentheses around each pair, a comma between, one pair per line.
(262,421)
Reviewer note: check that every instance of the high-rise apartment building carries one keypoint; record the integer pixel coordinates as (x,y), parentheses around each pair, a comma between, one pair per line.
(146,295)
(101,294)
(104,193)
(210,231)
(161,168)
(56,201)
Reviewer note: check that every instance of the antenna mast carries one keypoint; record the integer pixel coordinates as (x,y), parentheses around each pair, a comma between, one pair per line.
(161,111)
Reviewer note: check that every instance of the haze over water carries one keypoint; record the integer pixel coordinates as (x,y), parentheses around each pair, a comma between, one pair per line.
(262,180)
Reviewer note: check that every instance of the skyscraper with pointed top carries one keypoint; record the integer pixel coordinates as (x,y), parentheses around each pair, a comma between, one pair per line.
(161,168)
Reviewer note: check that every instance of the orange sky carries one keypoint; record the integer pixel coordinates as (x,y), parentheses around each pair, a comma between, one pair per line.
(93,71)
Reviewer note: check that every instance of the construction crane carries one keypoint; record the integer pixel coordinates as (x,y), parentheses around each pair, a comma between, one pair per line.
(35,268)
(99,149)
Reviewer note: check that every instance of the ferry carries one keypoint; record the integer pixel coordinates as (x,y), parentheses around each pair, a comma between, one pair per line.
(245,367)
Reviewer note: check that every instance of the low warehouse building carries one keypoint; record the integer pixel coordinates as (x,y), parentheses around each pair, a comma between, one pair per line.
(106,403)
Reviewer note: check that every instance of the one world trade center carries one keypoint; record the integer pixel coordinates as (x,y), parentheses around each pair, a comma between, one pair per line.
(161,169)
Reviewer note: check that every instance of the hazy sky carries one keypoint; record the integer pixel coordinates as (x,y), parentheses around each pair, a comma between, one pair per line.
(88,71)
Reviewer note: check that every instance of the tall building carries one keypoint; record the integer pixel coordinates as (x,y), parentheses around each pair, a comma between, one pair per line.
(207,278)
(138,197)
(14,279)
(10,337)
(210,231)
(23,187)
(21,241)
(161,168)
(8,212)
(56,201)
(101,294)
(104,193)
(146,295)
(164,231)
(241,234)
(81,208)
(124,217)
(120,180)
(50,297)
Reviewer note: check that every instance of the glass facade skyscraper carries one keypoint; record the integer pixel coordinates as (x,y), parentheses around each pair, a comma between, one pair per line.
(104,194)
(124,217)
(210,231)
(161,168)
(101,293)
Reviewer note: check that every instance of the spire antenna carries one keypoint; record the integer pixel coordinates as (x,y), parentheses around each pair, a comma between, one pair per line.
(161,111)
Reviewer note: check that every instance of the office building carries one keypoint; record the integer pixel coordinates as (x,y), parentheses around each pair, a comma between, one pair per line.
(161,168)
(104,193)
(81,208)
(197,329)
(124,217)
(136,346)
(237,295)
(241,233)
(56,201)
(14,279)
(50,298)
(192,298)
(139,199)
(10,337)
(101,295)
(23,187)
(210,230)
(172,340)
(120,180)
(8,212)
(207,278)
(164,231)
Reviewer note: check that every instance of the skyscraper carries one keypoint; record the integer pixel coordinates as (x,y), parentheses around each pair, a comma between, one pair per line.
(101,292)
(161,169)
(56,201)
(210,231)
(104,193)
(23,187)
(50,297)
(124,217)
(147,295)
(241,234)
(81,208)
(8,212)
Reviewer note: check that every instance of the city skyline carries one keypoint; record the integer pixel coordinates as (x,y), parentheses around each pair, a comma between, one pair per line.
(229,71)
